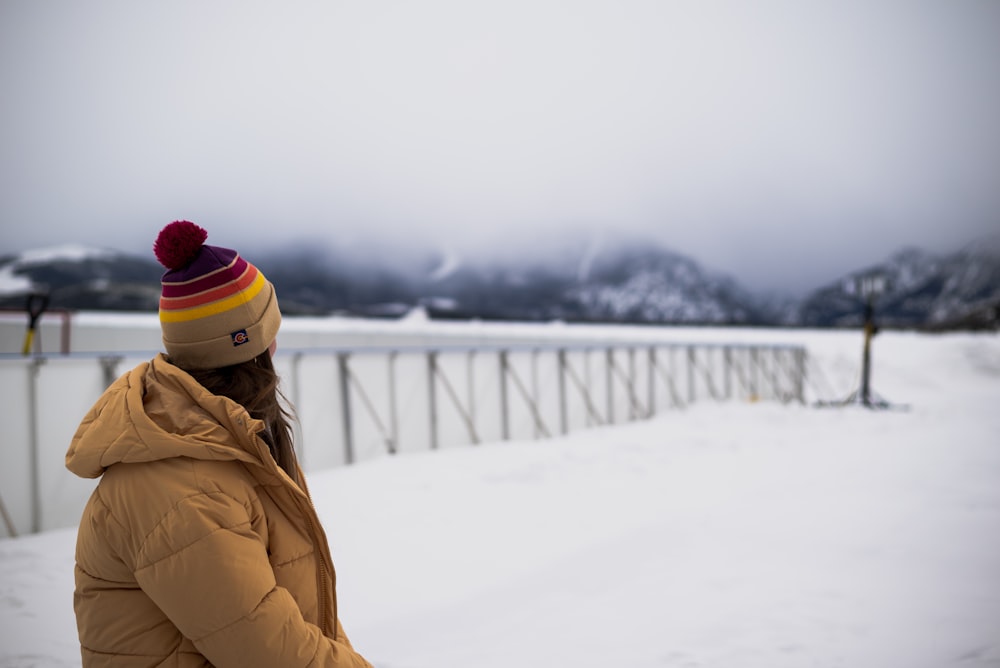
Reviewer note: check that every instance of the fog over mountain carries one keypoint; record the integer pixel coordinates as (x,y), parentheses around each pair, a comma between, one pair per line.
(784,143)
(628,280)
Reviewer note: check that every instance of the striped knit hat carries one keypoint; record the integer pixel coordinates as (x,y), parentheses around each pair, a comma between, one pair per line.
(216,308)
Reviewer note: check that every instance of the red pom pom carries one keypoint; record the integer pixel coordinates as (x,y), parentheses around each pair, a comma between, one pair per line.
(178,244)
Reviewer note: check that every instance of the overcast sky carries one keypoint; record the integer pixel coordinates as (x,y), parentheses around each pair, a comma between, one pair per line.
(784,143)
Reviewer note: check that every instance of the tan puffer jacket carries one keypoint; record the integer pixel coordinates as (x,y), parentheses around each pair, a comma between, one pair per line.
(196,549)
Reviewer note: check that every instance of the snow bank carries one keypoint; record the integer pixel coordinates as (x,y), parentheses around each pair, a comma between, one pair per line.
(737,535)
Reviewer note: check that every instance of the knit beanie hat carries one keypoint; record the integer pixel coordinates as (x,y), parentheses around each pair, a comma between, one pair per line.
(216,309)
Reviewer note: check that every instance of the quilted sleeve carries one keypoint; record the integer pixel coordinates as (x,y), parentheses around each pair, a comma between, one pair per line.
(208,571)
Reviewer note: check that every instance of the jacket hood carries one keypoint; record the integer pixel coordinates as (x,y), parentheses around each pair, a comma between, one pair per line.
(157,411)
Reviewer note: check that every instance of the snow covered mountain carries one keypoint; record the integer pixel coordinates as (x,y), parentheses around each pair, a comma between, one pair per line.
(632,282)
(81,277)
(922,290)
(643,283)
(629,281)
(971,286)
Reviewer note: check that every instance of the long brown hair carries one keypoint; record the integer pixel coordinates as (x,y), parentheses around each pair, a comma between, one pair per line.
(254,385)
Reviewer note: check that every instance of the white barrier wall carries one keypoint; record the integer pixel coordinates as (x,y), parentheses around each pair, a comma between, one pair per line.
(365,389)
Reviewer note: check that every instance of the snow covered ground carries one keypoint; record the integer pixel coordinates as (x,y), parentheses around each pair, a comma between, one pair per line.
(725,535)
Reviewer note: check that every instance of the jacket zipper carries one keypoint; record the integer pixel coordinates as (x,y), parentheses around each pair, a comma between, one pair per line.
(321,567)
(309,511)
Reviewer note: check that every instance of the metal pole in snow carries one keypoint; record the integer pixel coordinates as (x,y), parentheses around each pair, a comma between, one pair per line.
(345,407)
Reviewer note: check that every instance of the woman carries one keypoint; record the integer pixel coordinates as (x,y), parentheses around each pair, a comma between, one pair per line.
(200,545)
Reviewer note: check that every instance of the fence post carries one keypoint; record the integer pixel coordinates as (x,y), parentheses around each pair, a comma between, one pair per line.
(393,415)
(727,371)
(296,393)
(633,414)
(563,416)
(504,406)
(651,380)
(470,380)
(690,356)
(36,492)
(535,391)
(710,372)
(345,406)
(800,375)
(588,381)
(771,372)
(432,397)
(609,382)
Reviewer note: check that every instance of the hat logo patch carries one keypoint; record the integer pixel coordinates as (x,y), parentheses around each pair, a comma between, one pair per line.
(240,337)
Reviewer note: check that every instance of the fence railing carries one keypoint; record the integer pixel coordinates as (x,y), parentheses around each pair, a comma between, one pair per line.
(357,403)
(541,390)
